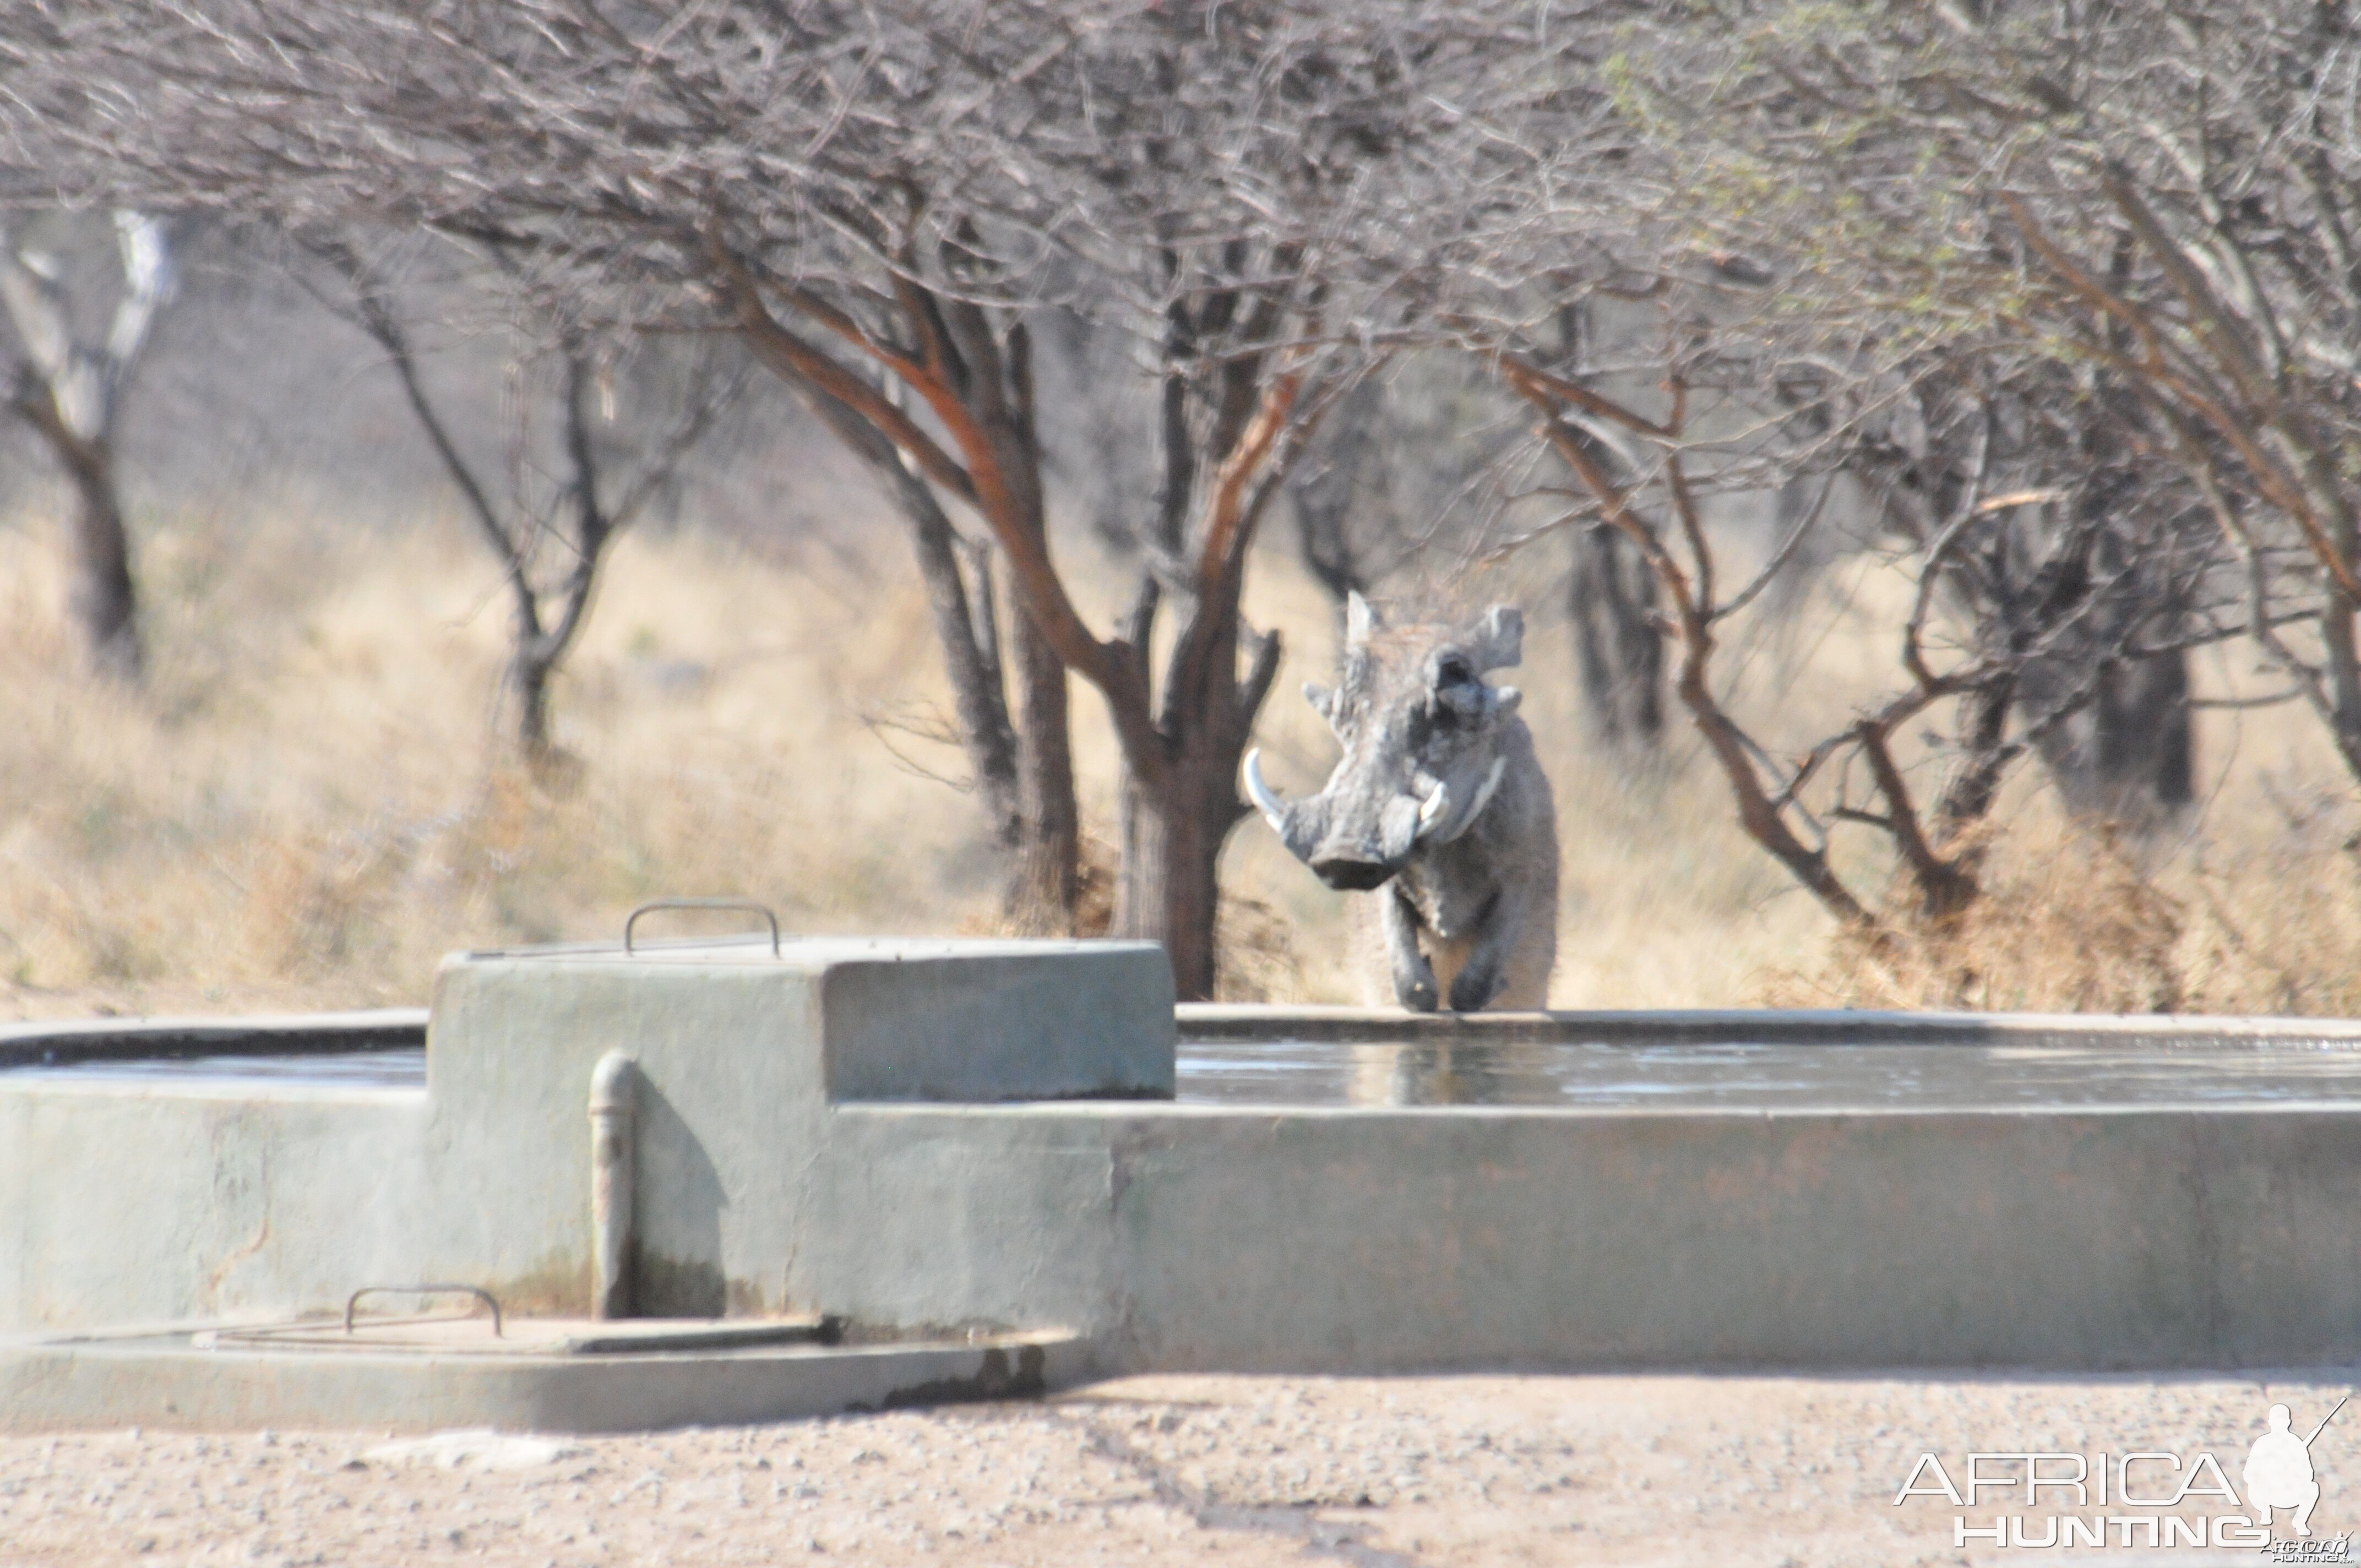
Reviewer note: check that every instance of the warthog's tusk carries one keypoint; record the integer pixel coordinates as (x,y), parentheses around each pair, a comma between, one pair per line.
(1431,809)
(1435,811)
(1266,799)
(1484,795)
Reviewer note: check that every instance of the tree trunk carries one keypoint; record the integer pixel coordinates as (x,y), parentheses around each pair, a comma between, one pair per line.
(528,673)
(2131,756)
(2144,747)
(1174,824)
(1170,891)
(1327,499)
(1639,647)
(2343,663)
(962,615)
(1047,879)
(69,389)
(1613,596)
(1324,543)
(1984,756)
(1620,654)
(100,599)
(977,693)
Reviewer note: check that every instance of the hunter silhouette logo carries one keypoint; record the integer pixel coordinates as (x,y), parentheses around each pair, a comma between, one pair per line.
(2279,1470)
(2139,1498)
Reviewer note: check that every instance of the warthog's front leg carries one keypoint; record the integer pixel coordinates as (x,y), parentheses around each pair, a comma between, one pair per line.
(1413,976)
(1498,931)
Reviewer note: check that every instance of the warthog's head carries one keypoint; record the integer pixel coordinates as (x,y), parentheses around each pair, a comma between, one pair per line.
(1422,733)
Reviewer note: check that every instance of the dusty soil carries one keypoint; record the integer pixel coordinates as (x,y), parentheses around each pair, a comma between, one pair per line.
(1164,1470)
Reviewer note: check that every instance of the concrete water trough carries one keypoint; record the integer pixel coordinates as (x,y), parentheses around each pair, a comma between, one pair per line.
(717,1181)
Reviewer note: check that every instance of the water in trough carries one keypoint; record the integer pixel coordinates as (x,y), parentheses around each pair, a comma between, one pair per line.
(1739,1076)
(1568,1074)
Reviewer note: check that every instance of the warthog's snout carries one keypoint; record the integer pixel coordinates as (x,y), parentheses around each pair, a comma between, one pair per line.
(1350,874)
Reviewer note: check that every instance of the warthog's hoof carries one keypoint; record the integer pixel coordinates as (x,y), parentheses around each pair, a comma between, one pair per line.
(1471,991)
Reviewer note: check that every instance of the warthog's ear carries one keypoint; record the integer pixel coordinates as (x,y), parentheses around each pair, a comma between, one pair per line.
(1498,641)
(1360,620)
(1321,698)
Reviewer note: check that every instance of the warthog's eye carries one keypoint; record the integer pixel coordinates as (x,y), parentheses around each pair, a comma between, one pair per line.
(1458,695)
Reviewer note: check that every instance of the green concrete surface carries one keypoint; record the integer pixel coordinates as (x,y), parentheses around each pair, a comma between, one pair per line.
(942,1139)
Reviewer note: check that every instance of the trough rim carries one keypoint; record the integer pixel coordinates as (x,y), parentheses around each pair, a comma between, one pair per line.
(1219,1022)
(49,1041)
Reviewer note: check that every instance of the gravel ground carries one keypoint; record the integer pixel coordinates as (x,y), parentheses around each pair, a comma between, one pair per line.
(1442,1471)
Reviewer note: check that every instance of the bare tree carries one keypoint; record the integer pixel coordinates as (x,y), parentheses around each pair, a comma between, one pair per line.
(1333,495)
(881,199)
(1845,283)
(1611,596)
(1611,602)
(885,201)
(68,381)
(2159,193)
(1396,482)
(2050,578)
(550,523)
(1283,190)
(957,572)
(2196,228)
(2086,592)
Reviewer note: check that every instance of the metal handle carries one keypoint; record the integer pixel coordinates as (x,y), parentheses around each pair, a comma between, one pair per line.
(748,904)
(477,1291)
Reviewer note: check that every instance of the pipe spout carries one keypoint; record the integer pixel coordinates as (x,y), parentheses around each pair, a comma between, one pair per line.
(614,1159)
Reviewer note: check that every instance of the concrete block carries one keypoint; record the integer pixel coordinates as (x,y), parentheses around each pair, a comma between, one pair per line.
(140,1201)
(739,1058)
(1000,1022)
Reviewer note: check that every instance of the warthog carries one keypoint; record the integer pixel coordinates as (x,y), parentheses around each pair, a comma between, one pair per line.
(1439,805)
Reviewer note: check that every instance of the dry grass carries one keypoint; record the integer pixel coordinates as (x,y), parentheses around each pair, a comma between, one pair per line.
(307,808)
(2249,904)
(2257,915)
